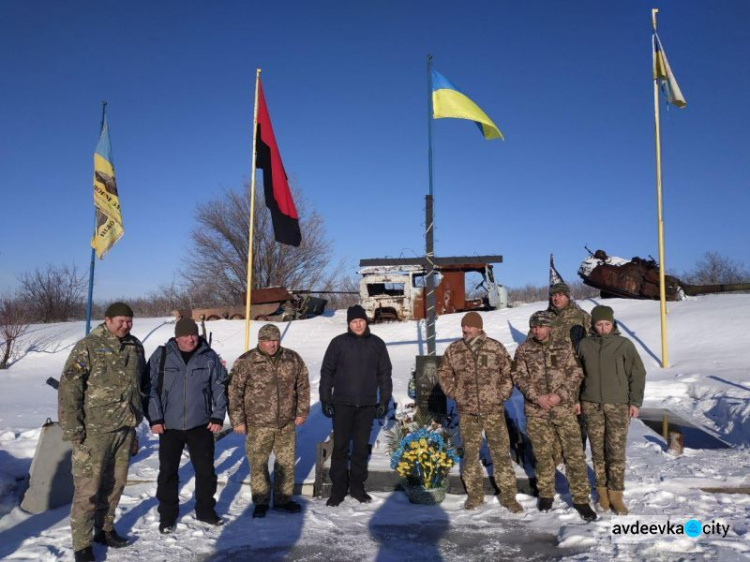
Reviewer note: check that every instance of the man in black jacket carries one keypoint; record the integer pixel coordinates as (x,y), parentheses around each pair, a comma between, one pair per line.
(355,367)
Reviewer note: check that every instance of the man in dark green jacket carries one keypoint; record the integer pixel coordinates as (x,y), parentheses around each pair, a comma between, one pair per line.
(100,402)
(612,393)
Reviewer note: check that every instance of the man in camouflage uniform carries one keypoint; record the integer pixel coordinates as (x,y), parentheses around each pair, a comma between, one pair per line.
(569,323)
(100,402)
(269,395)
(548,374)
(475,373)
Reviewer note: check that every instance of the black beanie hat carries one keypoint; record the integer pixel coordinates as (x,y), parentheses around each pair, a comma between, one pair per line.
(185,327)
(355,312)
(118,309)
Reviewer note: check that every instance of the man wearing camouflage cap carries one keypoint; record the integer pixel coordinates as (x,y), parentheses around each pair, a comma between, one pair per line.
(187,405)
(269,396)
(548,374)
(100,402)
(475,373)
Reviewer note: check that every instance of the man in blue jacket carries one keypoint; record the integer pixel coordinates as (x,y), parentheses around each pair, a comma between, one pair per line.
(187,404)
(356,369)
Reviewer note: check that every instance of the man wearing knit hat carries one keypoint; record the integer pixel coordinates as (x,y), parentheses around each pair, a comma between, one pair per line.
(186,407)
(99,405)
(269,396)
(355,386)
(475,374)
(548,374)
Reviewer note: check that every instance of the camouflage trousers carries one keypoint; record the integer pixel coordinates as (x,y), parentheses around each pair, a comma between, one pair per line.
(544,432)
(100,470)
(496,432)
(261,441)
(608,433)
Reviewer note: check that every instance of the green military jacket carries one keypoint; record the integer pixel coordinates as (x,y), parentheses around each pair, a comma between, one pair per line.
(101,385)
(478,382)
(268,391)
(613,370)
(550,367)
(572,323)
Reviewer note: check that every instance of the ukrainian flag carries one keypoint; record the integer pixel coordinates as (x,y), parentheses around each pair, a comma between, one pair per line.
(109,227)
(663,73)
(449,101)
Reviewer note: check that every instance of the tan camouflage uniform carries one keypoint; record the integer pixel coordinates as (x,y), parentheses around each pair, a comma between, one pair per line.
(476,375)
(551,367)
(267,394)
(99,403)
(565,320)
(608,434)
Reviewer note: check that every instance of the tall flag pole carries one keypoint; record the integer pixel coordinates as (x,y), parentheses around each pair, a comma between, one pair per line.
(444,99)
(108,226)
(252,216)
(429,224)
(662,76)
(276,190)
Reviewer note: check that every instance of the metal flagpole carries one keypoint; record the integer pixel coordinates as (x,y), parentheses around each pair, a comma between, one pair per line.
(252,218)
(89,302)
(429,225)
(659,216)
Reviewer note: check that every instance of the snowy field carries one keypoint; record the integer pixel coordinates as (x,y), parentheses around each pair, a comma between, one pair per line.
(707,382)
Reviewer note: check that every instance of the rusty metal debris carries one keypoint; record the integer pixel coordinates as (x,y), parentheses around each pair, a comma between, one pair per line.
(638,278)
(394,289)
(272,303)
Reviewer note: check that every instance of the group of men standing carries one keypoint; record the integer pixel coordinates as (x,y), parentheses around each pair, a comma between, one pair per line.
(107,387)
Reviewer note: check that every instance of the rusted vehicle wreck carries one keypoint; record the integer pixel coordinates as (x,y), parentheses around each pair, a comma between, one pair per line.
(272,303)
(638,278)
(394,289)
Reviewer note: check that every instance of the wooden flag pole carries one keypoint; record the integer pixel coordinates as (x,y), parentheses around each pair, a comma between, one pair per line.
(659,213)
(252,218)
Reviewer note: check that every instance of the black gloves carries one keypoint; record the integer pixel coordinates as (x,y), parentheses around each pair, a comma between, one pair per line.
(327,408)
(381,411)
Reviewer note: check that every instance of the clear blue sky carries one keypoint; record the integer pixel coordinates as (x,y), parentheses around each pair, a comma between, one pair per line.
(568,83)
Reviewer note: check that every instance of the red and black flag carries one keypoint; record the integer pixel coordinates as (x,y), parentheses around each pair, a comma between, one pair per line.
(276,187)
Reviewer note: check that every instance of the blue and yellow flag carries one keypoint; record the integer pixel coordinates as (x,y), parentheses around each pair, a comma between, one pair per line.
(109,227)
(449,101)
(663,73)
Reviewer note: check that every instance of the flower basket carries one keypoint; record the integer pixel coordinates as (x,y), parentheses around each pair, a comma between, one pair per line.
(422,455)
(425,496)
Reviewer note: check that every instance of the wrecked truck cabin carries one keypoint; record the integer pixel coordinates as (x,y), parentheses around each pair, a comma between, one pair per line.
(395,289)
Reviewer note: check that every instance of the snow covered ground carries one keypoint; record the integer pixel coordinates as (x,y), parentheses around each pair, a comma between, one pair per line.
(707,382)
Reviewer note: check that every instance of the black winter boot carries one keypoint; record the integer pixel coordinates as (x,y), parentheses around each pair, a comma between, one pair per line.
(585,511)
(110,538)
(84,555)
(289,507)
(545,504)
(260,511)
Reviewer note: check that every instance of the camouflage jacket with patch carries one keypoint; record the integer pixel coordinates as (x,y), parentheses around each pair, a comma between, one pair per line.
(268,391)
(551,367)
(101,388)
(478,383)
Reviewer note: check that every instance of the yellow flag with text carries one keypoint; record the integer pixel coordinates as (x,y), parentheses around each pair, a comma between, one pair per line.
(109,227)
